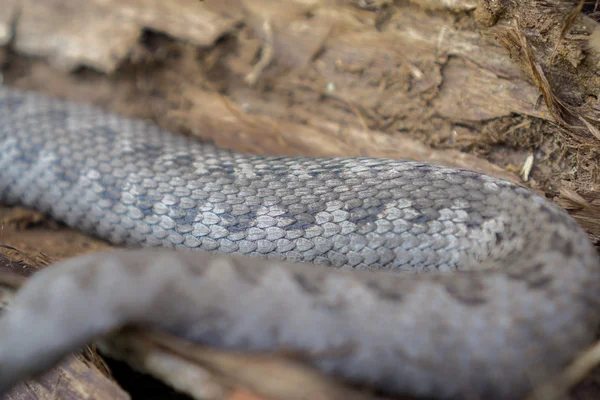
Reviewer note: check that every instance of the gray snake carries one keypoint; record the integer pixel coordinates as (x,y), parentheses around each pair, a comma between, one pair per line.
(522,300)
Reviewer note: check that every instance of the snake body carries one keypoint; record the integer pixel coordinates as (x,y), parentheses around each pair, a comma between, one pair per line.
(507,290)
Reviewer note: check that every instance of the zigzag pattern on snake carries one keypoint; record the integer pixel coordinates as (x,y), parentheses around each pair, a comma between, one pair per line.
(507,288)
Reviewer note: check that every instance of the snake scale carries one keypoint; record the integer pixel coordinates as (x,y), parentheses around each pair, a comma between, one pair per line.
(506,292)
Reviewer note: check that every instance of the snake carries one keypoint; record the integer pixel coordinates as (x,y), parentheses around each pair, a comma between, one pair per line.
(436,282)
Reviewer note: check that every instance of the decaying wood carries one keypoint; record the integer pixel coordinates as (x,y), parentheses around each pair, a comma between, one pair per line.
(484,85)
(196,369)
(101,33)
(73,379)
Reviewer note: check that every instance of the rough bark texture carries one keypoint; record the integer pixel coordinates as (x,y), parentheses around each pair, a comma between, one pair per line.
(506,87)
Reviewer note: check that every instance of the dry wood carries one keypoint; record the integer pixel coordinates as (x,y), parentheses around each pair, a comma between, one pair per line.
(487,88)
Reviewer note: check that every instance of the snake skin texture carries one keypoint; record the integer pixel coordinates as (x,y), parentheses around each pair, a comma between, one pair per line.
(506,292)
